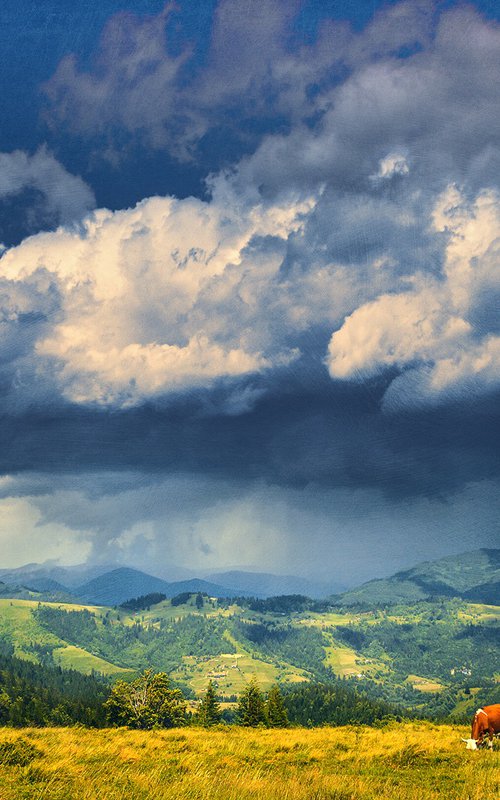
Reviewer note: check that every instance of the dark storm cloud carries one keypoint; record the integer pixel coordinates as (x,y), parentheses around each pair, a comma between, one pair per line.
(375,125)
(334,437)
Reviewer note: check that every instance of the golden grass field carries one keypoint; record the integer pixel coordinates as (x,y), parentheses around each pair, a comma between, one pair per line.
(409,761)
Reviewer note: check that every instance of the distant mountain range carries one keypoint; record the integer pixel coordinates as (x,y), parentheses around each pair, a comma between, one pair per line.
(473,576)
(65,577)
(124,583)
(112,585)
(263,584)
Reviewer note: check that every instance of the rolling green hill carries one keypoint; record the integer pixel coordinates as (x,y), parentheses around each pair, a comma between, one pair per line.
(409,639)
(422,655)
(32,641)
(474,576)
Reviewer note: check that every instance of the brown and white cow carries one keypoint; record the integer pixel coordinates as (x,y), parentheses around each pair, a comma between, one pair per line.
(486,721)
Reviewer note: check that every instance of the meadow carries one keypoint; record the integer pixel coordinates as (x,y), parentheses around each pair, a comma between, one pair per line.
(413,761)
(231,642)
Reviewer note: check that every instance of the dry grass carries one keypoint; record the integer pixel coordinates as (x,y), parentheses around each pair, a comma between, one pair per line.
(410,761)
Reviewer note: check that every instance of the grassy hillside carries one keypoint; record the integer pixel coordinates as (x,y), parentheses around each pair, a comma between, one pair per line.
(412,761)
(474,576)
(33,642)
(423,656)
(186,660)
(71,657)
(461,572)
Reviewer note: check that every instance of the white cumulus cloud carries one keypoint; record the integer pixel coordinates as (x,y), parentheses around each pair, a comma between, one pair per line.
(436,328)
(158,298)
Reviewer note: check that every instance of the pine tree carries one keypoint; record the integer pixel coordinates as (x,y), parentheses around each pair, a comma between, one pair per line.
(251,709)
(209,712)
(275,709)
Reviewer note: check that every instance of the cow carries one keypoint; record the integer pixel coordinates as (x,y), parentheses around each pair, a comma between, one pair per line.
(486,721)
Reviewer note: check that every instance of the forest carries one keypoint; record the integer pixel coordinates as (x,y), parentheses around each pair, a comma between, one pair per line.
(61,662)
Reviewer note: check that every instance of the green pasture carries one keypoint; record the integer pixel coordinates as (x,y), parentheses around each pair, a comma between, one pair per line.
(72,657)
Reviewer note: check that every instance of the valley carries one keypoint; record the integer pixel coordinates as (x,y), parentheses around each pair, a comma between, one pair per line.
(420,656)
(436,656)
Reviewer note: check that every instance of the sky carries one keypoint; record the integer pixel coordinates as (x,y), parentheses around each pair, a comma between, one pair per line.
(249,284)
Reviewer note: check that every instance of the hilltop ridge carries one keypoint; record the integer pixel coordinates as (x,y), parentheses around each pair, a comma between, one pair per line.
(473,575)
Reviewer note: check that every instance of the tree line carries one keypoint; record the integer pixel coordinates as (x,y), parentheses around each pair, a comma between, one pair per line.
(36,695)
(151,701)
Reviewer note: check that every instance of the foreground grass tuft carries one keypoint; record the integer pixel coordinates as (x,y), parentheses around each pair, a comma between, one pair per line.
(18,753)
(414,761)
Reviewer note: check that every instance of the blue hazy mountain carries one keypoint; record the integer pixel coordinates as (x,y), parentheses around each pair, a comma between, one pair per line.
(473,576)
(263,584)
(112,583)
(124,583)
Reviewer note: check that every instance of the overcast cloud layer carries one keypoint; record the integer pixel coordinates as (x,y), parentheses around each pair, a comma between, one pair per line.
(307,350)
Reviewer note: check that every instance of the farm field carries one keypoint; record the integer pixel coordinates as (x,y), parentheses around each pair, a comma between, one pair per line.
(412,655)
(71,657)
(423,684)
(415,761)
(344,661)
(232,671)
